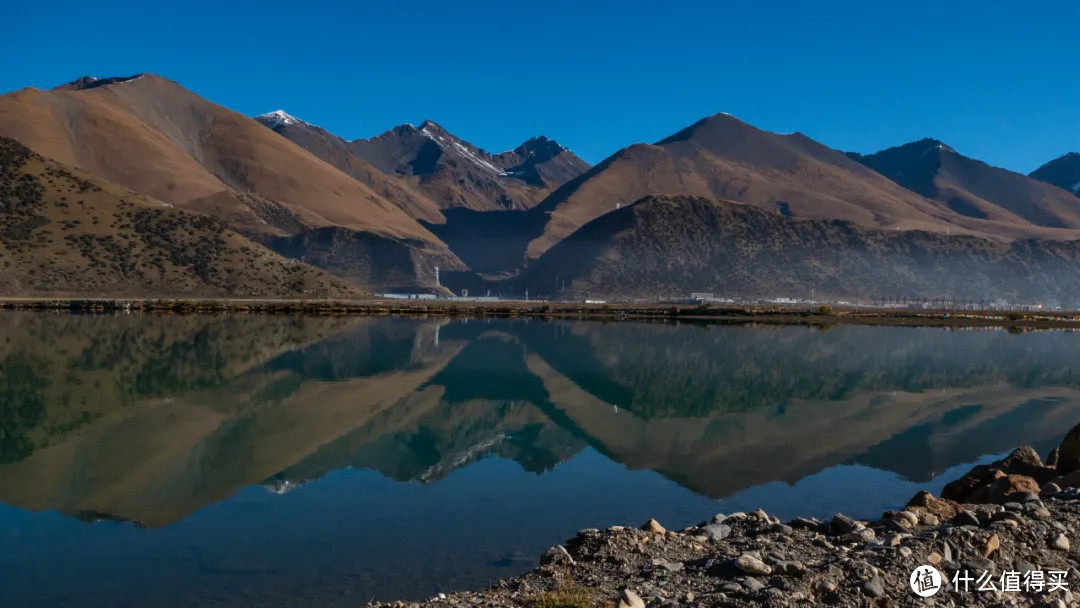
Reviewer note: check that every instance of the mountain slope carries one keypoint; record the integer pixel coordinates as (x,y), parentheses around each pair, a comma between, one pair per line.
(455,173)
(721,157)
(63,232)
(1063,172)
(339,153)
(671,246)
(973,188)
(153,136)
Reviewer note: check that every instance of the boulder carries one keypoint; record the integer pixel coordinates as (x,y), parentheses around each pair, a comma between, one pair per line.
(1005,487)
(653,526)
(842,524)
(629,599)
(959,490)
(1052,458)
(1072,480)
(925,502)
(1069,452)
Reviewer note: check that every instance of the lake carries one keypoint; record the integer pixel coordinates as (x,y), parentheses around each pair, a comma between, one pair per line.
(320,461)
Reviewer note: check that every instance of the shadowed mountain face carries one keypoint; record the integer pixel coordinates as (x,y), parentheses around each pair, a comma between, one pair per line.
(975,189)
(677,245)
(1063,172)
(151,418)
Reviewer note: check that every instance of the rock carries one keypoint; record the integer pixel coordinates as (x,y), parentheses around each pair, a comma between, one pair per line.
(863,535)
(1050,489)
(629,599)
(751,565)
(719,518)
(904,552)
(1004,487)
(790,568)
(842,524)
(1060,543)
(934,558)
(1052,458)
(557,555)
(1064,482)
(929,519)
(781,529)
(653,526)
(907,519)
(715,532)
(965,518)
(753,584)
(930,504)
(1069,452)
(873,587)
(959,490)
(992,544)
(760,514)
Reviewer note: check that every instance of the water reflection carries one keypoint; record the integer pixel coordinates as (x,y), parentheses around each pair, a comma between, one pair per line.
(150,419)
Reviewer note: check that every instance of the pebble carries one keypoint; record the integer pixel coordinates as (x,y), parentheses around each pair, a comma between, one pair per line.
(1060,543)
(629,599)
(966,518)
(715,532)
(753,584)
(873,587)
(751,565)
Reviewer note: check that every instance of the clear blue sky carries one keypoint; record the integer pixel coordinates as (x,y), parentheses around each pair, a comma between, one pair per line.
(996,80)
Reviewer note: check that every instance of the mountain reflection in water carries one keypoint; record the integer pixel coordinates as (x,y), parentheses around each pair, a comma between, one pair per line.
(150,419)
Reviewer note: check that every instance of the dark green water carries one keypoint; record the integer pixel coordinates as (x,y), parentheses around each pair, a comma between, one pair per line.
(275,461)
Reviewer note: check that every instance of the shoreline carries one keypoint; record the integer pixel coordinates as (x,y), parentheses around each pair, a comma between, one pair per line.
(1014,523)
(815,315)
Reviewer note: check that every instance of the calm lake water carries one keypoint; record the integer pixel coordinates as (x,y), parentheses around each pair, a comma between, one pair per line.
(280,461)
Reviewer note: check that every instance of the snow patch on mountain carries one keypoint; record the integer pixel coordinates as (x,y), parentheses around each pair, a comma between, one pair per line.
(277,118)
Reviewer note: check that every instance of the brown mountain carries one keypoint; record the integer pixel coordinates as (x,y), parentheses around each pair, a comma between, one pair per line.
(723,158)
(671,246)
(1063,172)
(973,188)
(64,232)
(153,136)
(427,169)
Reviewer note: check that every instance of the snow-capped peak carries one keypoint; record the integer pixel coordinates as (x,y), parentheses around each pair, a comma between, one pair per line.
(277,118)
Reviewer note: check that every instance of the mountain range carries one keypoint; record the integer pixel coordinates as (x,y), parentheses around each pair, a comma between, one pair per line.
(719,206)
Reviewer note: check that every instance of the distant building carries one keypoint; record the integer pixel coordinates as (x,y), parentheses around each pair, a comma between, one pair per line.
(407,296)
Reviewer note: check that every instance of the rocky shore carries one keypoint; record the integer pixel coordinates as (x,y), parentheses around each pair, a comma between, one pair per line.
(1005,534)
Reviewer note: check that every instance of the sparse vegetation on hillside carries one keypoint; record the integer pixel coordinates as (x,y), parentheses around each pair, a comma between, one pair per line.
(62,233)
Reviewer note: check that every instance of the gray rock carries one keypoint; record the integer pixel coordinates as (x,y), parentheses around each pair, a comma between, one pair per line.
(873,587)
(842,524)
(753,584)
(716,532)
(965,518)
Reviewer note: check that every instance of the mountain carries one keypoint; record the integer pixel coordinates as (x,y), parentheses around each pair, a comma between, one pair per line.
(437,170)
(973,188)
(339,153)
(1062,172)
(151,135)
(671,246)
(64,232)
(721,157)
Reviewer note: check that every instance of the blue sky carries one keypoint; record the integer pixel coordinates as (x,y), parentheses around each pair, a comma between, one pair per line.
(996,80)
